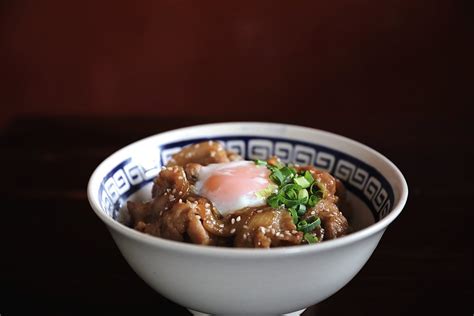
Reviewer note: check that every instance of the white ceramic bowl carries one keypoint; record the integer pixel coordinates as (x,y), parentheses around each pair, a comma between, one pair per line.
(250,281)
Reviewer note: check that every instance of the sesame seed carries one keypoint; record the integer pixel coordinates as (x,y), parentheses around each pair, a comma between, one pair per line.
(273,231)
(169,168)
(262,229)
(180,178)
(210,142)
(232,230)
(245,226)
(196,146)
(180,192)
(207,205)
(213,153)
(294,232)
(237,219)
(259,211)
(232,221)
(180,201)
(198,217)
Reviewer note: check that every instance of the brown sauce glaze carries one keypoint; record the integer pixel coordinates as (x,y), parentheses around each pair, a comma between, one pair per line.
(177,213)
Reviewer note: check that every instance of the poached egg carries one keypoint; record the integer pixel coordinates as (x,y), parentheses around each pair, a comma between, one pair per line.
(231,186)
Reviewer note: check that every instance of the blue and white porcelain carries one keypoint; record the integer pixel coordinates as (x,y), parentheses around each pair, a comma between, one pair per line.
(235,281)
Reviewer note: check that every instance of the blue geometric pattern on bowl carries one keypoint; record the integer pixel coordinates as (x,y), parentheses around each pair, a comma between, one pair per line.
(358,177)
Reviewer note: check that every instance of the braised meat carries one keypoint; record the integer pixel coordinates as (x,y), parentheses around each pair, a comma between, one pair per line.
(177,212)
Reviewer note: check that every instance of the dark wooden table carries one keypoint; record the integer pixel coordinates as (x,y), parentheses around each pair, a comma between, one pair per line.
(58,259)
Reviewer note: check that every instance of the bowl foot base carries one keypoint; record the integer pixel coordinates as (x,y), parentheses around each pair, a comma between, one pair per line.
(296,313)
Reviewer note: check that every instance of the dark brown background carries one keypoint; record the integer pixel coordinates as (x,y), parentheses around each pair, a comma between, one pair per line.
(225,57)
(80,79)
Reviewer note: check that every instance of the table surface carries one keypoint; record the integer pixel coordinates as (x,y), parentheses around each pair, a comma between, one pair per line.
(58,258)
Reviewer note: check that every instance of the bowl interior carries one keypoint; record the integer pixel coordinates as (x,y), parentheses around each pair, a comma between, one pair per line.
(128,174)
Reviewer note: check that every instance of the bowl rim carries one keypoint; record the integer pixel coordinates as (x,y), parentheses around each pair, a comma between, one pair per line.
(182,247)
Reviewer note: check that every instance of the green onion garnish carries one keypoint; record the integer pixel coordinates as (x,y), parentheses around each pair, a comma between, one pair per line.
(260,162)
(273,201)
(302,182)
(308,177)
(308,225)
(267,191)
(310,238)
(303,196)
(300,209)
(297,192)
(294,215)
(313,200)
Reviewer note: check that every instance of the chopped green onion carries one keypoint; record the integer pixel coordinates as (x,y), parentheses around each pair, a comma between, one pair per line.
(308,176)
(273,201)
(317,222)
(271,188)
(288,202)
(277,177)
(294,215)
(288,174)
(292,194)
(301,209)
(296,191)
(310,238)
(307,227)
(317,189)
(313,189)
(290,191)
(303,195)
(302,182)
(313,200)
(272,168)
(259,162)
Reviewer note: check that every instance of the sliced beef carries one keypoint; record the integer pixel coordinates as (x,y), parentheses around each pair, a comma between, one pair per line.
(332,220)
(177,213)
(263,227)
(203,153)
(172,182)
